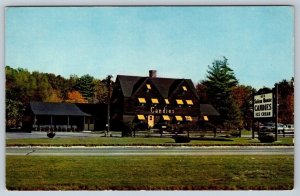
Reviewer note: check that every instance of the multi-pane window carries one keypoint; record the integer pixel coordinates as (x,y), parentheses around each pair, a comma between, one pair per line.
(179,101)
(141,117)
(166,117)
(188,118)
(154,100)
(189,102)
(178,118)
(142,100)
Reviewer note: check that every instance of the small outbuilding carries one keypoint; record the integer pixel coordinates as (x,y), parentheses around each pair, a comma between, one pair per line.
(44,116)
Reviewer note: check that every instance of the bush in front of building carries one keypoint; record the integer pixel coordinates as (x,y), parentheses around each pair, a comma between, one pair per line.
(181,139)
(127,130)
(51,134)
(235,133)
(266,137)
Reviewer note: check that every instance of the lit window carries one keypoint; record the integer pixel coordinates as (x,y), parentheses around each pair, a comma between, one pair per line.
(142,100)
(205,118)
(179,101)
(148,86)
(166,117)
(167,101)
(178,118)
(184,88)
(141,117)
(188,118)
(189,102)
(154,100)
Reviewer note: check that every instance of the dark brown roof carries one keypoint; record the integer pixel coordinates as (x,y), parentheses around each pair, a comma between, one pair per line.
(127,84)
(209,110)
(56,109)
(165,86)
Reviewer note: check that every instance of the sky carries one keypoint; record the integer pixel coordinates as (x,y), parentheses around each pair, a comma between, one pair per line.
(178,42)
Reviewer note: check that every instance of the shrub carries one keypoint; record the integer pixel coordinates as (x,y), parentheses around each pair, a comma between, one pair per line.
(126,131)
(266,137)
(235,133)
(181,139)
(51,135)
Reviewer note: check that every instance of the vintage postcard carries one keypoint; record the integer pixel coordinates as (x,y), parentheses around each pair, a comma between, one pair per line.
(149,98)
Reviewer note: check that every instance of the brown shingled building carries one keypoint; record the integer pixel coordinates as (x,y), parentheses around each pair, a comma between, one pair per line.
(155,101)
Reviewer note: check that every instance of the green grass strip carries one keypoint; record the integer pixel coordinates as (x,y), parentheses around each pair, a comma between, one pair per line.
(251,172)
(113,141)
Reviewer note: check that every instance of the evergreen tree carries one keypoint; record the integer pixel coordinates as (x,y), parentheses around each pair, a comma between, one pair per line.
(85,85)
(219,85)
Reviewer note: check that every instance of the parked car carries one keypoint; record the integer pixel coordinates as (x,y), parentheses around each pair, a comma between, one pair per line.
(270,127)
(289,128)
(267,127)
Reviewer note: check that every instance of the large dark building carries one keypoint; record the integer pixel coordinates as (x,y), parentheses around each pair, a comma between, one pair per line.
(154,100)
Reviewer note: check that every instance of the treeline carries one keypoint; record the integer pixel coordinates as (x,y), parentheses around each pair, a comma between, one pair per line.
(23,86)
(220,88)
(234,101)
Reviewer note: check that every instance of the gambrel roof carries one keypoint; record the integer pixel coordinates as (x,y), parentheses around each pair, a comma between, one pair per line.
(165,86)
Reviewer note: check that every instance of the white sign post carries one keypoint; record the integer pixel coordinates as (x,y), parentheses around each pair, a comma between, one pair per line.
(263,105)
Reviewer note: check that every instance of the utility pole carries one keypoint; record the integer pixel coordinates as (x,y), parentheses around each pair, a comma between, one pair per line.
(108,85)
(276,112)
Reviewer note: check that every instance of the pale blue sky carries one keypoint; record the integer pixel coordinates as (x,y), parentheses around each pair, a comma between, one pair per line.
(179,42)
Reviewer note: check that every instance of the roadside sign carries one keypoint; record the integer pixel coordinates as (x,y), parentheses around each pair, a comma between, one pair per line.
(263,105)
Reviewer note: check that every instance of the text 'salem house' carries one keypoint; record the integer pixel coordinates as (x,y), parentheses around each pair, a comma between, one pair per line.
(154,100)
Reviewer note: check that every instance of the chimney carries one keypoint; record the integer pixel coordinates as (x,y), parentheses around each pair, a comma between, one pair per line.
(152,73)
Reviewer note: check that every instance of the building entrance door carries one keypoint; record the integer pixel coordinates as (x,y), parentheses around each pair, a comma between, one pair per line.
(150,120)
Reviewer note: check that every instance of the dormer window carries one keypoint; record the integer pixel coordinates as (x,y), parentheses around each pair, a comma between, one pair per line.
(154,100)
(167,101)
(148,86)
(184,88)
(205,118)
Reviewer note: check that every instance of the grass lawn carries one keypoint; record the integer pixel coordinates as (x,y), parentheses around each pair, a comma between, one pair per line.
(107,141)
(149,173)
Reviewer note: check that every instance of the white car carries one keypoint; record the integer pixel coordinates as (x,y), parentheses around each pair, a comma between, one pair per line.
(289,128)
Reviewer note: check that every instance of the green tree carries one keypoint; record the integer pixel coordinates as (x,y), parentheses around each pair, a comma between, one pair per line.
(85,85)
(219,85)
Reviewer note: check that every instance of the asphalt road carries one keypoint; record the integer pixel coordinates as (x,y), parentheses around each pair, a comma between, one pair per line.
(148,151)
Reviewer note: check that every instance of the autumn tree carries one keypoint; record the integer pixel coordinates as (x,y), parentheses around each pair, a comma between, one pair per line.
(286,101)
(54,96)
(202,93)
(100,91)
(243,96)
(75,97)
